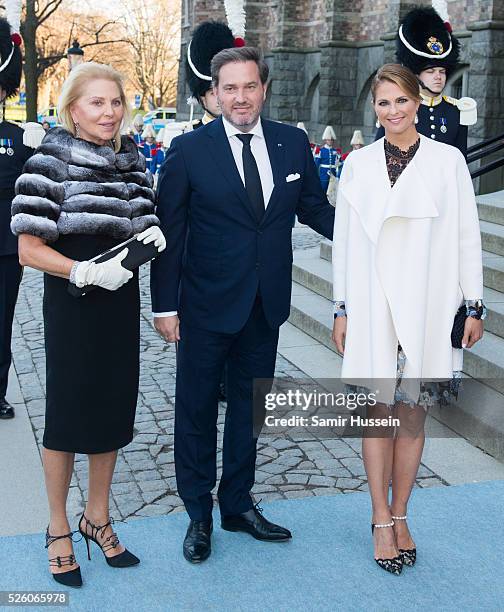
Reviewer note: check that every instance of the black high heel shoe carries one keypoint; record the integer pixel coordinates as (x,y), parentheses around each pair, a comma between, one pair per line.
(408,555)
(125,559)
(394,565)
(72,578)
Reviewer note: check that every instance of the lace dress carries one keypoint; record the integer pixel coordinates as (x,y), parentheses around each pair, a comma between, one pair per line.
(397,159)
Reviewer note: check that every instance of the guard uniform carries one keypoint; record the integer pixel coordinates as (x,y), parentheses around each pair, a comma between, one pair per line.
(327,161)
(208,39)
(154,156)
(137,137)
(13,155)
(425,40)
(197,123)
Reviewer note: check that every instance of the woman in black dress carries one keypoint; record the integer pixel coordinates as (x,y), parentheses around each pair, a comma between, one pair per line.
(85,191)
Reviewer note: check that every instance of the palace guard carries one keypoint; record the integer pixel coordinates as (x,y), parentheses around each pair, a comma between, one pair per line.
(16,146)
(425,44)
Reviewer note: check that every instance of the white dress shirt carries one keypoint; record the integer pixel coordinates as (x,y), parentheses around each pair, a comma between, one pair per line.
(260,153)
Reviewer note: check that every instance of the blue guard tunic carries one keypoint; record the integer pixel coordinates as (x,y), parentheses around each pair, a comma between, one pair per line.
(327,160)
(154,157)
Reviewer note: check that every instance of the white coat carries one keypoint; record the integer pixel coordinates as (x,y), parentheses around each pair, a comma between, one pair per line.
(404,258)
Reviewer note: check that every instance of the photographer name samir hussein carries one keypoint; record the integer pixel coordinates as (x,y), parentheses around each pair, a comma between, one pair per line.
(339,421)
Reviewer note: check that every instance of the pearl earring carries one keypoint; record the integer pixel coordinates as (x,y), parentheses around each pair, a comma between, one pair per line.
(416,119)
(378,124)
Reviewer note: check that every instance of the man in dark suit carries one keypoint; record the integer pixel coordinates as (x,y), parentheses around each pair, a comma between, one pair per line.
(226,272)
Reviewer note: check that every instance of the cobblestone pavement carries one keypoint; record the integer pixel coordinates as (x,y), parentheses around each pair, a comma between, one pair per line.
(144,482)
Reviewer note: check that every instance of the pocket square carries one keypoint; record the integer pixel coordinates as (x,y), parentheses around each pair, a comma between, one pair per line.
(292,177)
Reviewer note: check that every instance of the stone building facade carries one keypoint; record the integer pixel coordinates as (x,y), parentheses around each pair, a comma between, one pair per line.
(323,55)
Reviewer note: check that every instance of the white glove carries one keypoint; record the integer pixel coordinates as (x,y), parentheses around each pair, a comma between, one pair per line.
(155,235)
(108,274)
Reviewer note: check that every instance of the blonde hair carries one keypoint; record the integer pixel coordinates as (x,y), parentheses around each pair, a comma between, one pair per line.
(73,89)
(399,75)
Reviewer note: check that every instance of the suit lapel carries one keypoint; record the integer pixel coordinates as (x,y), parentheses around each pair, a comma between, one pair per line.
(223,157)
(276,152)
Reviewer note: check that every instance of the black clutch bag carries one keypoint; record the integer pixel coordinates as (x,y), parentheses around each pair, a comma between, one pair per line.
(458,327)
(138,254)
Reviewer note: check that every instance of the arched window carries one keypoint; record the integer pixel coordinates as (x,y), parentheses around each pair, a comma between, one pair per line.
(457,84)
(267,103)
(312,100)
(364,106)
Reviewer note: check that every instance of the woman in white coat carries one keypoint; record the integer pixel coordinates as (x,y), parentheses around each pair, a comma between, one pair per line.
(406,254)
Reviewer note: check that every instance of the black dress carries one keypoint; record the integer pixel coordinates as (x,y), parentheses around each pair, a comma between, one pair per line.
(92,354)
(82,199)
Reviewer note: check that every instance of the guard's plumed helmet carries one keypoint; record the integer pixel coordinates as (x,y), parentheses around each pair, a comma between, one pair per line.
(209,38)
(424,41)
(10,59)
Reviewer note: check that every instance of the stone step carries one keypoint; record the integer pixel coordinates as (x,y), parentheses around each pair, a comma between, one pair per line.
(477,415)
(312,313)
(315,274)
(326,250)
(492,237)
(493,266)
(491,207)
(485,361)
(493,271)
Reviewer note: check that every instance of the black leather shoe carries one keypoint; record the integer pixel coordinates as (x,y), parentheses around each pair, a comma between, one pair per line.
(6,410)
(253,522)
(197,542)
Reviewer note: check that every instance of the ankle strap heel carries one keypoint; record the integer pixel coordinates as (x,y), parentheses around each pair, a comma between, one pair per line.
(124,559)
(374,525)
(394,565)
(71,578)
(408,555)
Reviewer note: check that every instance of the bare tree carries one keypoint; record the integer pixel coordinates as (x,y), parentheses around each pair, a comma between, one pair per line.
(48,29)
(143,43)
(154,35)
(36,14)
(101,38)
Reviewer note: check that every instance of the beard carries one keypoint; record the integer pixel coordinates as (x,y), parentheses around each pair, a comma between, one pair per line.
(246,121)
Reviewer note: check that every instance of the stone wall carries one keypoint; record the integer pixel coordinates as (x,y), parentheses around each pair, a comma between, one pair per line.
(324,53)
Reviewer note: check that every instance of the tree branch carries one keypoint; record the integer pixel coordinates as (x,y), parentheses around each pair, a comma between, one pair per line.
(50,8)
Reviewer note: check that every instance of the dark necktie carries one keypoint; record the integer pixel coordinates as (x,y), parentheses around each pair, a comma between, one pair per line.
(252,179)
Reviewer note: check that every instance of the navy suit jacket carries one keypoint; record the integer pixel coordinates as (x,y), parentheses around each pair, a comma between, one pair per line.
(218,254)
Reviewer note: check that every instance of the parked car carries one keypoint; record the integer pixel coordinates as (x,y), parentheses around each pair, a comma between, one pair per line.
(159,117)
(50,115)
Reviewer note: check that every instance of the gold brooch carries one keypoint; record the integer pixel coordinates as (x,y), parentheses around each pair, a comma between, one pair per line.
(435,46)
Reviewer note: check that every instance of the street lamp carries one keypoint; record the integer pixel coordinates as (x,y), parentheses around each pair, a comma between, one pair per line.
(75,55)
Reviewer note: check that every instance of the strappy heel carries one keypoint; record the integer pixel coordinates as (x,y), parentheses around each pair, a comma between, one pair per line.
(408,555)
(72,578)
(125,559)
(394,565)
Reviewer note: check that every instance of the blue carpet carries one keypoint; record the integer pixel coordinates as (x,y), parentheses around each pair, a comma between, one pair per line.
(327,566)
